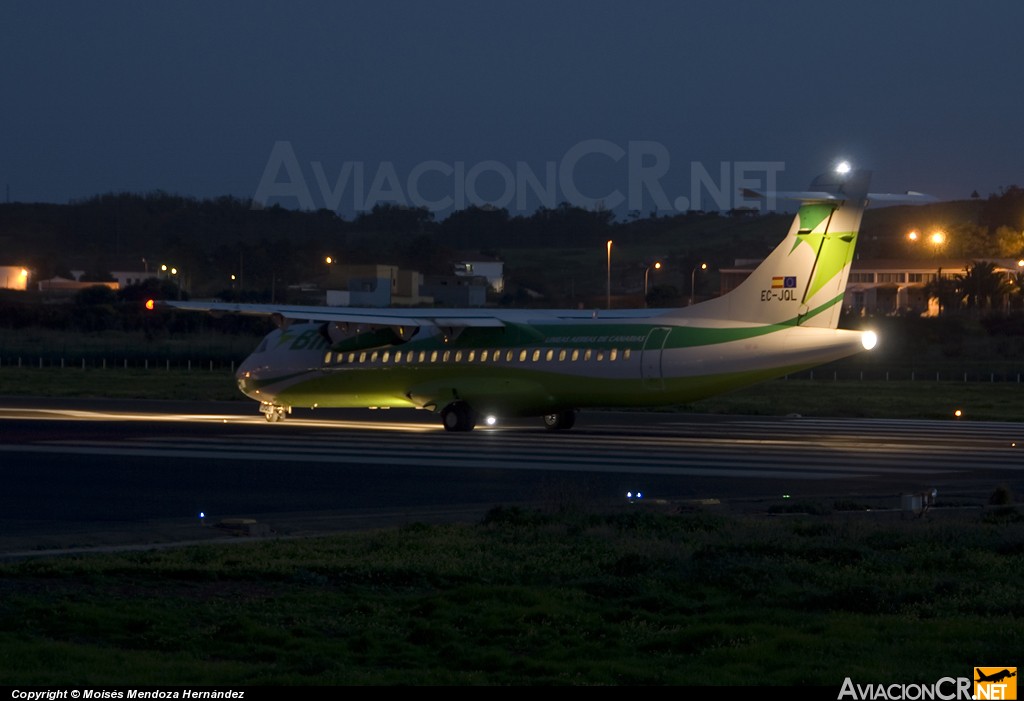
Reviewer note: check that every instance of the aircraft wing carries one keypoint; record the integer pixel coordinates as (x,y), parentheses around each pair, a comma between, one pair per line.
(447,318)
(351,315)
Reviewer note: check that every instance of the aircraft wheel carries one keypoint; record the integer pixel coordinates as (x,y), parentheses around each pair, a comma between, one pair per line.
(274,413)
(458,416)
(560,421)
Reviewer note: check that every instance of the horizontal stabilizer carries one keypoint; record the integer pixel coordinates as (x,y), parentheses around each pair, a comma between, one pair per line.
(908,197)
(821,196)
(799,196)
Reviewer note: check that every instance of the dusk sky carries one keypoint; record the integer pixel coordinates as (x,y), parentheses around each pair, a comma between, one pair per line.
(347,104)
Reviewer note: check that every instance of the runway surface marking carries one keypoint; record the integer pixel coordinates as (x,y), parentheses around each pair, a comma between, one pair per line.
(768,448)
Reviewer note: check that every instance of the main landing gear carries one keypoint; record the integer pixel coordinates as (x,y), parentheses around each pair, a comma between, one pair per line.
(560,421)
(275,412)
(459,416)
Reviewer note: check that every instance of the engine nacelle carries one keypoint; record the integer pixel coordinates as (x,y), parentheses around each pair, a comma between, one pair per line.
(344,336)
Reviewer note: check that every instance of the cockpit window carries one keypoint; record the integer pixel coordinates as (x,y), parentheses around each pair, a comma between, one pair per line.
(263,346)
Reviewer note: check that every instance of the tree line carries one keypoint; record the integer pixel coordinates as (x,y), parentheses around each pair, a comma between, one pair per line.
(211,240)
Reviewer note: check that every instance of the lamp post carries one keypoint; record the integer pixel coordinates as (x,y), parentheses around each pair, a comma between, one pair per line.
(693,279)
(657,266)
(169,271)
(937,239)
(608,288)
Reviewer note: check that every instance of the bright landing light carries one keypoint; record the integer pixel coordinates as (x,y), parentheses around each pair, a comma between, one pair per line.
(491,420)
(843,167)
(869,339)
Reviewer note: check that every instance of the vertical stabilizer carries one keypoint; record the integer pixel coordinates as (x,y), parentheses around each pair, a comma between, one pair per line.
(803,280)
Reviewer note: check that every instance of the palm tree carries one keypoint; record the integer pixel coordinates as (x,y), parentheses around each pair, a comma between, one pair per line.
(945,289)
(983,286)
(1017,289)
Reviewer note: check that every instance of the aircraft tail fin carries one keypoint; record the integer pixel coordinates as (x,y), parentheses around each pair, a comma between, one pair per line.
(802,282)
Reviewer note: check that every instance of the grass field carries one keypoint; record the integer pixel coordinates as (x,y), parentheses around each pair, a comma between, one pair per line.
(529,598)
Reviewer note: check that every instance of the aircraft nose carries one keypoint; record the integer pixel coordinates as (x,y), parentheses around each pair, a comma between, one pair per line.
(247,376)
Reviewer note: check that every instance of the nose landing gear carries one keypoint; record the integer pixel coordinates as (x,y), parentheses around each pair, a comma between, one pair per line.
(274,412)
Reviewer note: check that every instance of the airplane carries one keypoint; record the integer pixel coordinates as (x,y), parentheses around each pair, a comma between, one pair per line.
(469,365)
(995,677)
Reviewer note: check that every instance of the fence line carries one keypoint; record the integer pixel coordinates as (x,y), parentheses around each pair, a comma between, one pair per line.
(40,362)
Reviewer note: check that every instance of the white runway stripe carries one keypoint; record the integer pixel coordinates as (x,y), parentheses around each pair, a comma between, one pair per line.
(794,456)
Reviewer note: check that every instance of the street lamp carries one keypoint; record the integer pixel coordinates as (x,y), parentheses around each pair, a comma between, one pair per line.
(657,266)
(693,279)
(171,271)
(609,278)
(937,239)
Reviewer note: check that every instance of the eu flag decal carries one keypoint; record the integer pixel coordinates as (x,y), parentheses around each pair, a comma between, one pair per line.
(783,283)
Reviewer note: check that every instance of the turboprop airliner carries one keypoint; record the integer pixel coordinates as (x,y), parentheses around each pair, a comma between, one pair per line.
(469,365)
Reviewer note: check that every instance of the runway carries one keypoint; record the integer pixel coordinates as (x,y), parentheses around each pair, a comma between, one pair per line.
(91,473)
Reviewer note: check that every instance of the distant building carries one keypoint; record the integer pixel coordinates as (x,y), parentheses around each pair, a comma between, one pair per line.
(883,287)
(492,269)
(457,290)
(124,278)
(13,277)
(375,286)
(63,286)
(127,278)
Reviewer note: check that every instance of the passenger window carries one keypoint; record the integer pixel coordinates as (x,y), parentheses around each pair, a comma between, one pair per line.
(613,354)
(575,354)
(549,355)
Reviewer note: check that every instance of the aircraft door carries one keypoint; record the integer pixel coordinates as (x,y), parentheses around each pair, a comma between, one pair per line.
(650,362)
